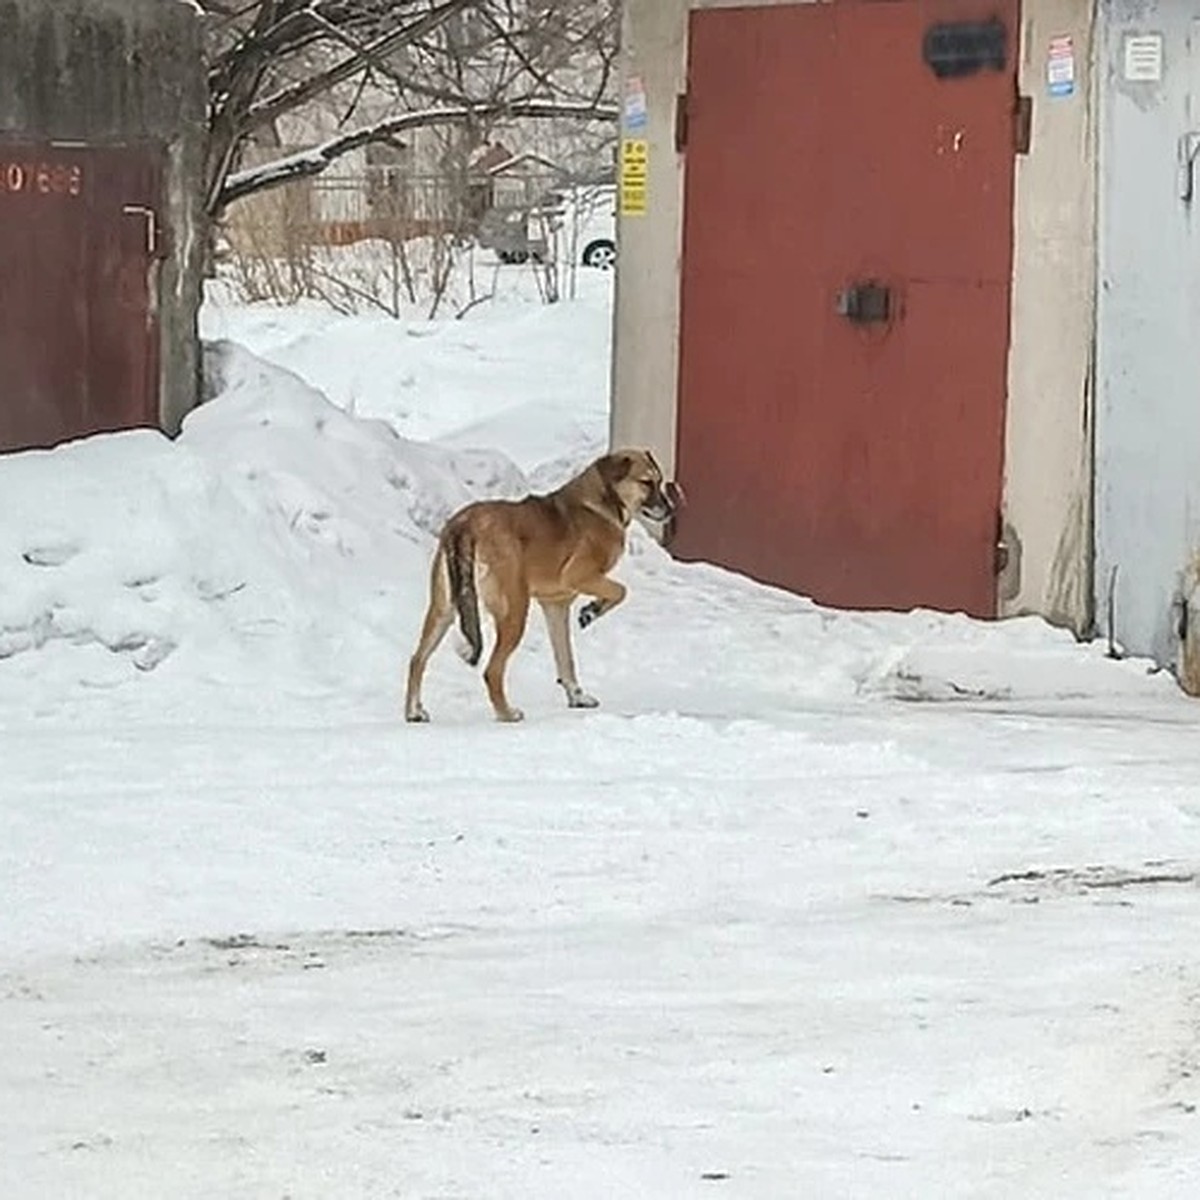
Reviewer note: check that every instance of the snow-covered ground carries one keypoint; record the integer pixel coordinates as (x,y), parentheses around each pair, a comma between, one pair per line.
(817,905)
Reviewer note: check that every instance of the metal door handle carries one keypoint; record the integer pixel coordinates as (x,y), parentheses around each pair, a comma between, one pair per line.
(1189,149)
(151,218)
(865,303)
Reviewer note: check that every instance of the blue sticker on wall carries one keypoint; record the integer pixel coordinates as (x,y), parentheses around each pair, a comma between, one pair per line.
(1060,66)
(636,114)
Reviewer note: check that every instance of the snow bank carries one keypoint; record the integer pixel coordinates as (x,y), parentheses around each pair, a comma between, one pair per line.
(275,542)
(532,380)
(742,638)
(524,377)
(278,550)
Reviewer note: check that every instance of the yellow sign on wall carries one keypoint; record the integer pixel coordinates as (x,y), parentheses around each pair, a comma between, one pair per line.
(635,167)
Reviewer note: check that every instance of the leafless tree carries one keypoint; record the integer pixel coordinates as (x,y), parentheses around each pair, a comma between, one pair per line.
(464,64)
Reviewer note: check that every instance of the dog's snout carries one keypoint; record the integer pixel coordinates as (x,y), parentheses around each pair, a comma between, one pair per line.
(663,500)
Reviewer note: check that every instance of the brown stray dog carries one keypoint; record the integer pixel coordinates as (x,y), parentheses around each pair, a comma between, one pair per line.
(549,548)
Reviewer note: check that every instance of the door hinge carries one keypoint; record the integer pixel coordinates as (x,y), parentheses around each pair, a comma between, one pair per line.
(681,122)
(1001,555)
(1023,125)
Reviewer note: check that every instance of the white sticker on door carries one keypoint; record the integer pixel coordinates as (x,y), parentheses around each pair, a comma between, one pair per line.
(1144,57)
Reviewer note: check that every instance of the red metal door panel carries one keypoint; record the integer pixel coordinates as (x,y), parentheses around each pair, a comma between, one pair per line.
(858,464)
(78,328)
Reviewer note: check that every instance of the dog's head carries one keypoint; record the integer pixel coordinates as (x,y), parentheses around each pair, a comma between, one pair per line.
(637,480)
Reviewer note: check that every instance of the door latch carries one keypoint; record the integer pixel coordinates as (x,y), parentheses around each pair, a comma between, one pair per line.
(1181,617)
(865,303)
(151,219)
(1189,150)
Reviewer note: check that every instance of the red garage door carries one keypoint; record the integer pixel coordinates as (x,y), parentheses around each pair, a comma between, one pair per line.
(78,336)
(845,306)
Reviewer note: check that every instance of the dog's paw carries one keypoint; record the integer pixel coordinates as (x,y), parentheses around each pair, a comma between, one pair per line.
(577,697)
(417,715)
(589,612)
(510,716)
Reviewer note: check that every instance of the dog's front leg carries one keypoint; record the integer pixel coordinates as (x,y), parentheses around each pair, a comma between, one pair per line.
(608,592)
(558,625)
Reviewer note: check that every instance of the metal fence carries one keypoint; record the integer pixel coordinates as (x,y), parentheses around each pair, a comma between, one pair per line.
(378,201)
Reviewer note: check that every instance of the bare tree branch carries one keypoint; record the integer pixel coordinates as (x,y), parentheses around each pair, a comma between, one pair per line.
(304,90)
(312,162)
(464,65)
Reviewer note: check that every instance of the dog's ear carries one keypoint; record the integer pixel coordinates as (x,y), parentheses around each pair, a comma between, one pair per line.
(614,467)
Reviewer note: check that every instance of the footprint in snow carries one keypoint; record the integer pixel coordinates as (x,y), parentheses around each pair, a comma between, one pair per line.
(51,554)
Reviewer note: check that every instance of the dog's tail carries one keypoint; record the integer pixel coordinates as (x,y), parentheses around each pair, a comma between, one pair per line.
(460,567)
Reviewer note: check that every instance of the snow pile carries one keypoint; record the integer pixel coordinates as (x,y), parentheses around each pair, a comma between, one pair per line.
(523,377)
(731,631)
(273,542)
(532,381)
(279,550)
(955,658)
(756,928)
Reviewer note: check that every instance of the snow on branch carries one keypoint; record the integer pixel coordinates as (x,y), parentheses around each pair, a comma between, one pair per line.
(312,162)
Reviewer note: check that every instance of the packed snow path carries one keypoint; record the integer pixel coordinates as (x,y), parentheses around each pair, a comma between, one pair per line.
(928,952)
(827,905)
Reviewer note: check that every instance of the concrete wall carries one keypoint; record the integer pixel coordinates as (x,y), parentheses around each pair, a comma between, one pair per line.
(1047,483)
(108,71)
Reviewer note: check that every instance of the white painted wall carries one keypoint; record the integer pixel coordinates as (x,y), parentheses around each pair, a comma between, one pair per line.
(1148,338)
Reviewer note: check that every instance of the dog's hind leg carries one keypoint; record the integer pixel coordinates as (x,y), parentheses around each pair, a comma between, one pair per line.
(510,612)
(558,625)
(608,592)
(438,618)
